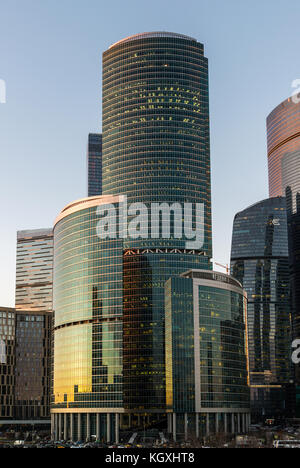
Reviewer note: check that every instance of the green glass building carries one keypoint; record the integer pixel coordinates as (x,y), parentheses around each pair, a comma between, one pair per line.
(155,150)
(87,376)
(206,355)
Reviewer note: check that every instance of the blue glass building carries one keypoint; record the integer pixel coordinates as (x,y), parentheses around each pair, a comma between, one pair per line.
(259,260)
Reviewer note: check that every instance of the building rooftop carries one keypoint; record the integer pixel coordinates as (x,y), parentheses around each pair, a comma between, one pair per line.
(147,35)
(211,275)
(34,233)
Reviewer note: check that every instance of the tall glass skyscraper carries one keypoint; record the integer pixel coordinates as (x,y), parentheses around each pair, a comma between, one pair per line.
(259,260)
(283,135)
(155,150)
(94,164)
(88,344)
(206,354)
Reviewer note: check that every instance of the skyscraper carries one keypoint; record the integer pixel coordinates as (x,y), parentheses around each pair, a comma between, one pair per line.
(259,260)
(156,149)
(94,164)
(88,339)
(206,354)
(283,135)
(33,324)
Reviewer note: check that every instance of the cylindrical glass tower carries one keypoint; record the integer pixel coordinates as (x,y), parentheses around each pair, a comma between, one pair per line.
(155,150)
(283,134)
(87,300)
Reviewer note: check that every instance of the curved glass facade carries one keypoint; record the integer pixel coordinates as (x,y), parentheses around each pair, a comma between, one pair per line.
(290,165)
(206,353)
(283,135)
(156,125)
(259,260)
(87,302)
(155,150)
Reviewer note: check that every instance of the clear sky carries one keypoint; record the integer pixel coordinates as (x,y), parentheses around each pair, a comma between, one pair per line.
(50,59)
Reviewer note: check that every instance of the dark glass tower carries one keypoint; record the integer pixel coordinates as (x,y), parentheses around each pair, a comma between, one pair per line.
(293,217)
(94,163)
(155,150)
(259,260)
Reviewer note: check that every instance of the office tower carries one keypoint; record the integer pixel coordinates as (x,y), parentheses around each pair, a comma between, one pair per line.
(7,362)
(155,150)
(206,357)
(283,135)
(34,270)
(33,324)
(259,260)
(94,164)
(88,329)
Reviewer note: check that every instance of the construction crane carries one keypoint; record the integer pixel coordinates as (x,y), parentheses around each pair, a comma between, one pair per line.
(226,267)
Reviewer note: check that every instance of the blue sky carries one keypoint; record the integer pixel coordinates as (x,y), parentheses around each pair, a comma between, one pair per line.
(50,59)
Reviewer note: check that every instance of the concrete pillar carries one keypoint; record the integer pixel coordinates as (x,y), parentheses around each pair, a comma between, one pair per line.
(248,421)
(225,423)
(55,426)
(139,419)
(65,427)
(232,423)
(98,426)
(108,427)
(197,425)
(174,427)
(72,427)
(117,425)
(169,423)
(185,426)
(244,423)
(217,423)
(207,424)
(88,427)
(59,426)
(239,423)
(52,426)
(79,433)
